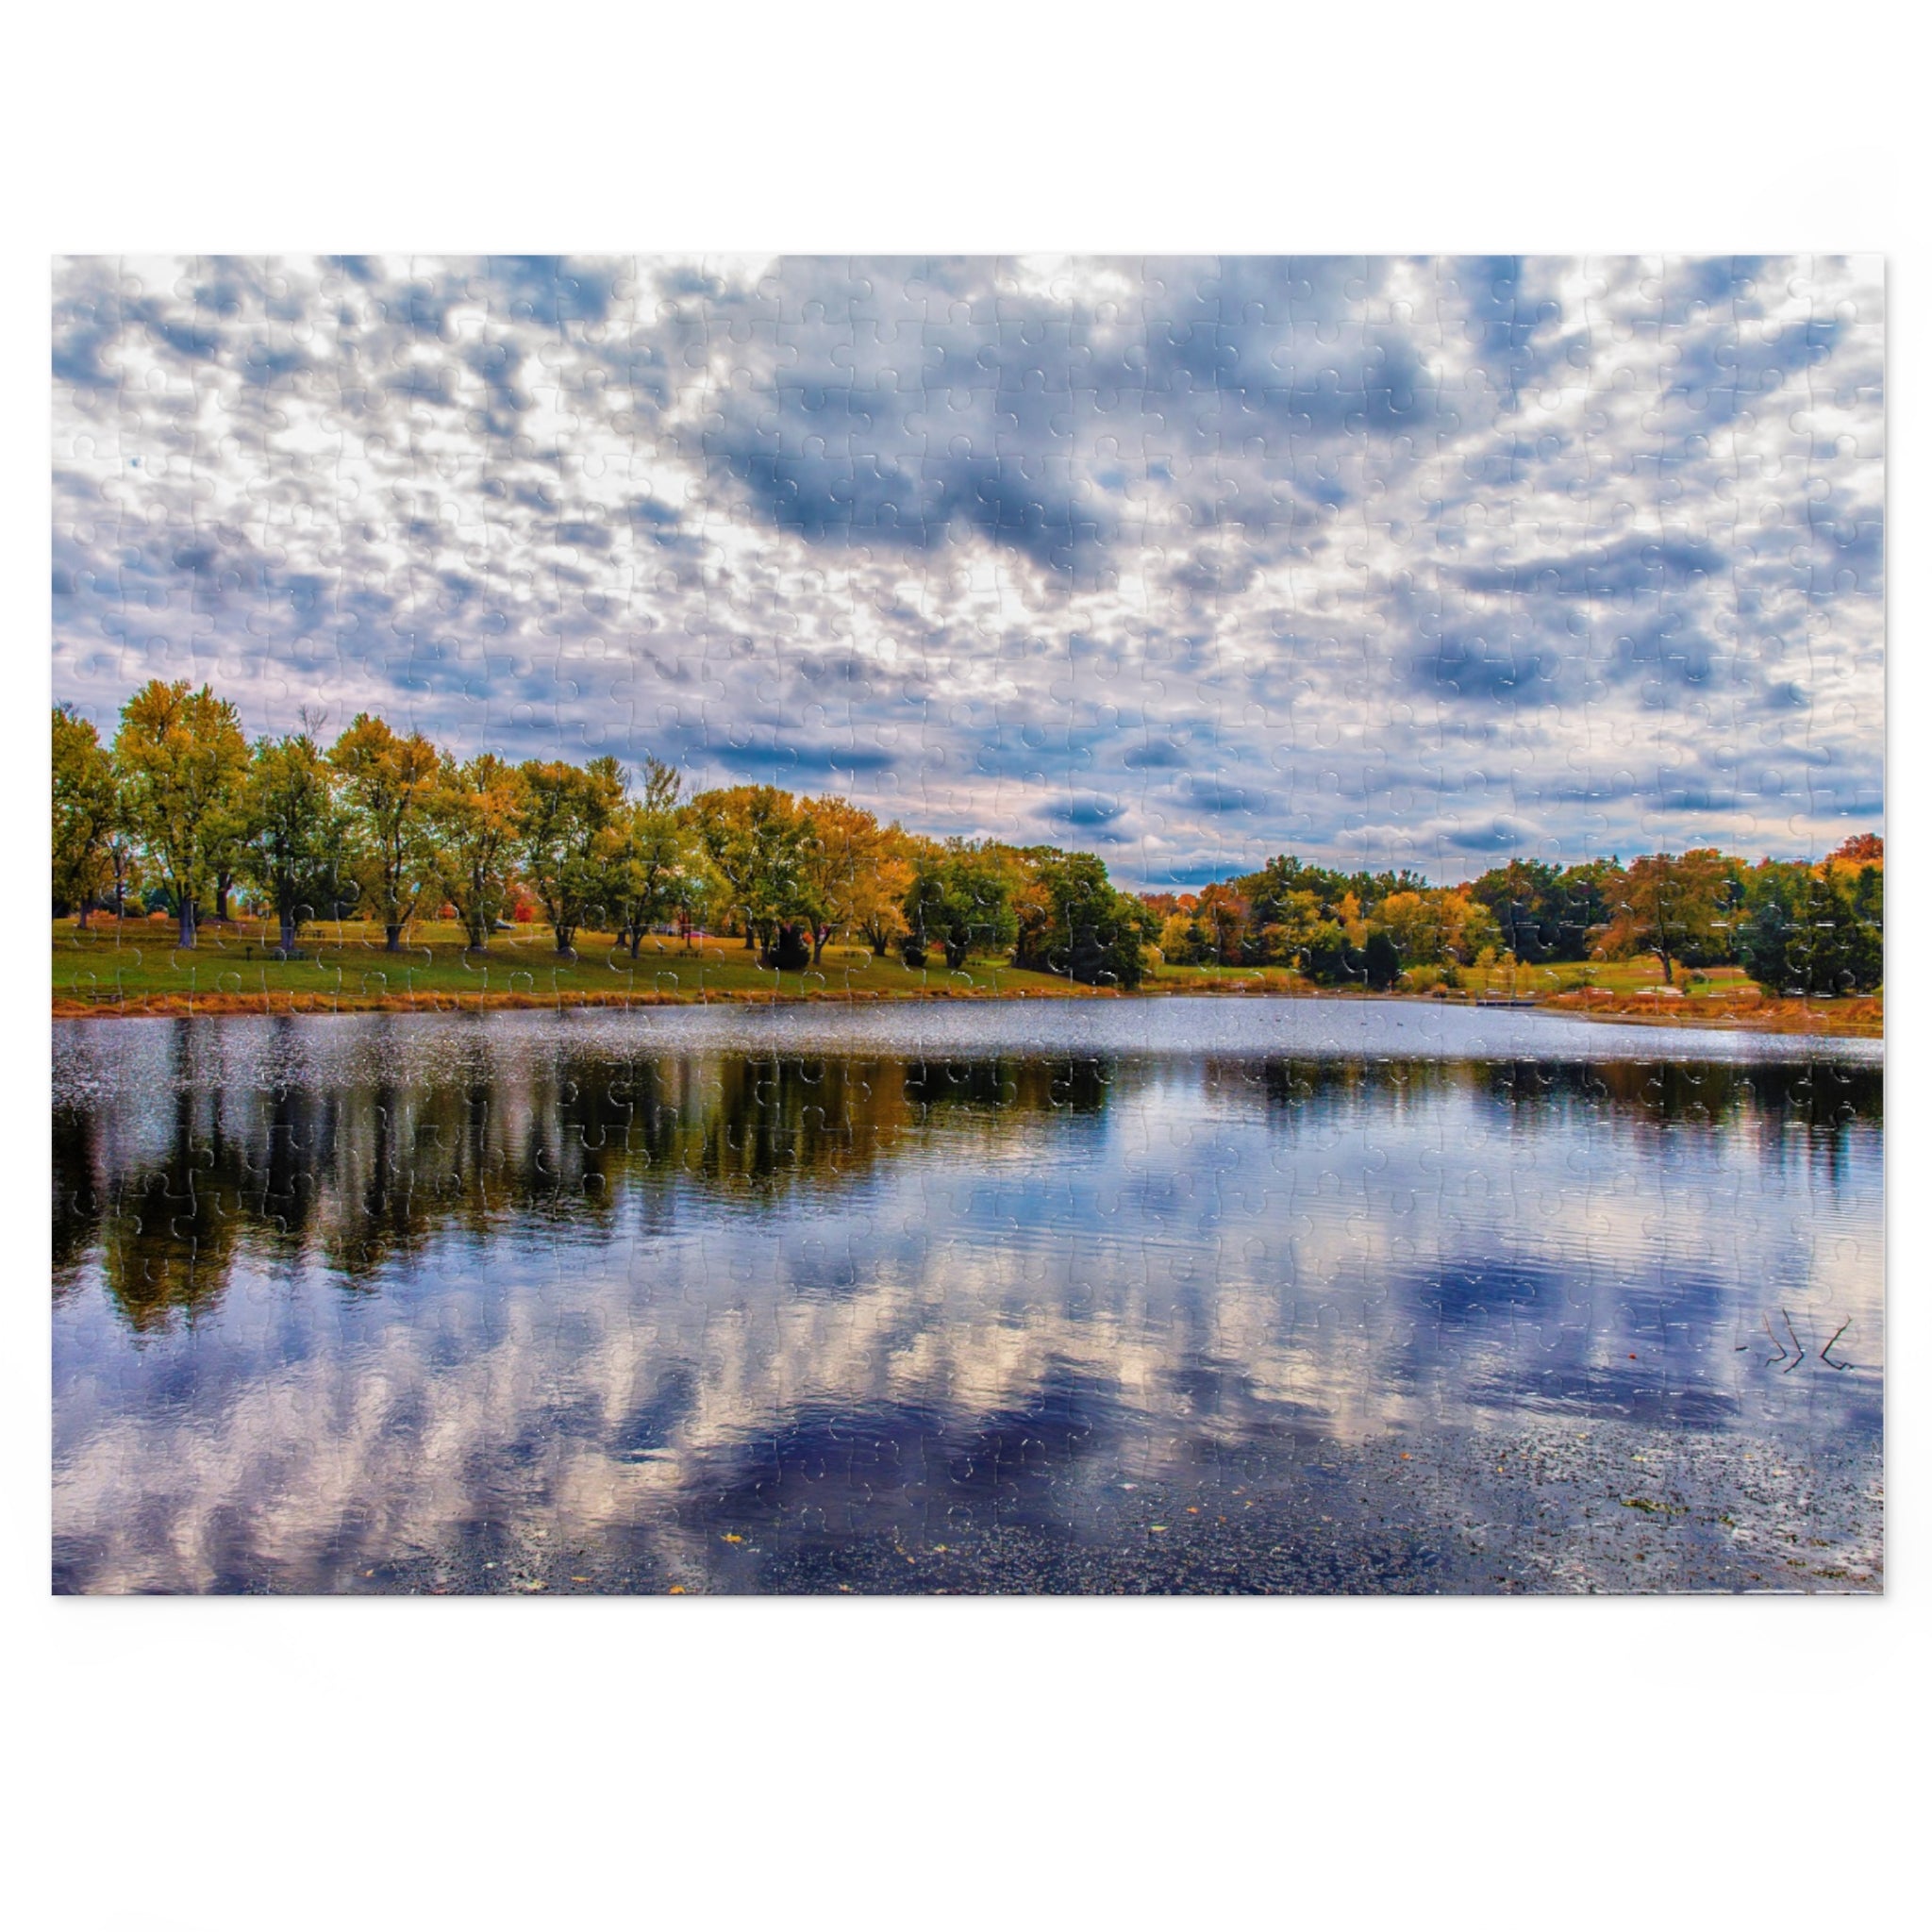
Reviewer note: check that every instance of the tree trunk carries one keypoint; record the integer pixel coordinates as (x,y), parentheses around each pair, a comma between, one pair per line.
(637,939)
(221,897)
(393,938)
(818,936)
(80,918)
(187,939)
(288,935)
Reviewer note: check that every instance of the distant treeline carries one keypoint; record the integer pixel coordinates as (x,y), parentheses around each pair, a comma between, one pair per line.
(1794,928)
(182,813)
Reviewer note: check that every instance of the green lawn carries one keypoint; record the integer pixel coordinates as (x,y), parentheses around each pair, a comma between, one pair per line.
(136,967)
(1227,979)
(345,965)
(1500,982)
(1613,976)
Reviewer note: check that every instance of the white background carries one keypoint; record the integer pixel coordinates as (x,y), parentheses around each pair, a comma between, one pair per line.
(215,1764)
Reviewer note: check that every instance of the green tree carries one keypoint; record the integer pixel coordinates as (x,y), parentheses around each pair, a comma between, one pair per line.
(1814,931)
(474,818)
(387,783)
(1864,907)
(1579,906)
(87,812)
(1521,895)
(961,899)
(291,832)
(1381,960)
(182,761)
(564,846)
(1070,920)
(1327,958)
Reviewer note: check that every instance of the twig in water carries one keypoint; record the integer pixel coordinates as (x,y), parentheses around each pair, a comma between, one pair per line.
(1824,1352)
(1782,1351)
(1795,1342)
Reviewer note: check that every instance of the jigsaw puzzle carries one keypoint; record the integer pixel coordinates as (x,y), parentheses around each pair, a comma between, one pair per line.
(967,925)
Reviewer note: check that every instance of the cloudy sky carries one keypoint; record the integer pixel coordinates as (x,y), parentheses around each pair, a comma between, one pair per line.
(1187,563)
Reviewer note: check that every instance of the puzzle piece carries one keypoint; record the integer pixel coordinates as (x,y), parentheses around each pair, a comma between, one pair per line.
(968,925)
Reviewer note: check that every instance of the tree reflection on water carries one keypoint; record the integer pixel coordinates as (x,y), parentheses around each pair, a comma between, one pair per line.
(410,1300)
(363,1175)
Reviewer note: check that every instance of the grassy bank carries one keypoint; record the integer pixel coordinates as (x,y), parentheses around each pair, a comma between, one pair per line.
(135,970)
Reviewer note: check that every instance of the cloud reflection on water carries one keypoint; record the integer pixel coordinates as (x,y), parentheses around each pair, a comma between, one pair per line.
(506,1276)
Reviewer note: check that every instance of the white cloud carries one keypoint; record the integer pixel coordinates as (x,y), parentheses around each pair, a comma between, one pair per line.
(1375,550)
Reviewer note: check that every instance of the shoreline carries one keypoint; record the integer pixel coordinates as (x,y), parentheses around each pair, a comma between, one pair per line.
(1780,1017)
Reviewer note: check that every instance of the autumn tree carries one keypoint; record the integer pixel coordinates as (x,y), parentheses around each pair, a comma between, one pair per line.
(879,896)
(650,855)
(1674,906)
(852,874)
(1223,913)
(564,842)
(387,783)
(1415,925)
(755,839)
(292,831)
(86,811)
(182,761)
(473,816)
(1181,941)
(1296,924)
(1438,926)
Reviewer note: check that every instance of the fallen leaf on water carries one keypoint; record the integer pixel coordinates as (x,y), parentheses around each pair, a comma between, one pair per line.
(730,1538)
(676,1590)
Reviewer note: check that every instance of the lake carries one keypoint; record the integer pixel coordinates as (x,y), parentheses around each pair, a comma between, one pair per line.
(1187,1294)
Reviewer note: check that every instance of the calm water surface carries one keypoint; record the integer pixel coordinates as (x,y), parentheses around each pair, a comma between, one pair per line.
(1187,1294)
